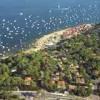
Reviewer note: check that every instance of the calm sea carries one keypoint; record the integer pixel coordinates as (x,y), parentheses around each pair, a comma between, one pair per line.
(22,21)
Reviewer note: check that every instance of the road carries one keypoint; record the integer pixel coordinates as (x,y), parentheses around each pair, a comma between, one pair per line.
(57,96)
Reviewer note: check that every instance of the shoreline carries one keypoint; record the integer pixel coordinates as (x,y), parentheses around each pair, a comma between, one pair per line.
(54,37)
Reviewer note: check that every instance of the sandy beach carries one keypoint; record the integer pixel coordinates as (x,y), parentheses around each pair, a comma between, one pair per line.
(46,39)
(53,38)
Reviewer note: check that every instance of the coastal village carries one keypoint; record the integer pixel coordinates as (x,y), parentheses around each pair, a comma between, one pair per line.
(54,67)
(50,50)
